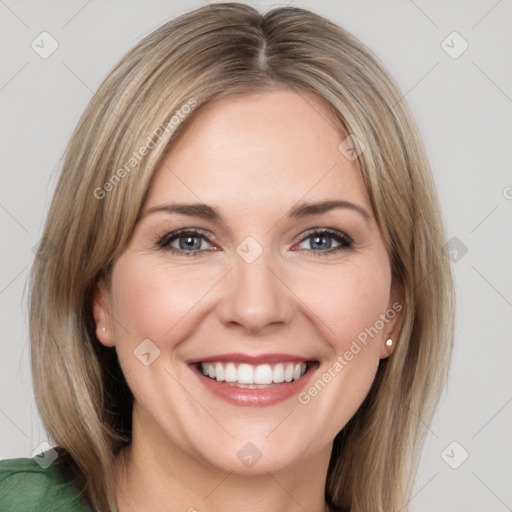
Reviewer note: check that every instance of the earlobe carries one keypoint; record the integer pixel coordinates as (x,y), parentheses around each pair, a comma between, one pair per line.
(101,313)
(395,315)
(387,349)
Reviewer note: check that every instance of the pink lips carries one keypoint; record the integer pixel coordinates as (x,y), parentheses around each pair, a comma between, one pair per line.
(259,397)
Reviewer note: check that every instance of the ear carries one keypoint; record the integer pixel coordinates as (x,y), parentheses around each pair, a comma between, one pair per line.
(102,316)
(394,314)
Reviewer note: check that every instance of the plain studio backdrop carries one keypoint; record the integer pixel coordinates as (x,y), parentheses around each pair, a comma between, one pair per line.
(452,61)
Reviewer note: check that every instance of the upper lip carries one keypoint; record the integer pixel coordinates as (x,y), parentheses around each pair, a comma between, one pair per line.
(250,358)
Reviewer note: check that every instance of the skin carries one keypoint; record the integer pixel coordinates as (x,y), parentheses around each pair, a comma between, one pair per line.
(252,156)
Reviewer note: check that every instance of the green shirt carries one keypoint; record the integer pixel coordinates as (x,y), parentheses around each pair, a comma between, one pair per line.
(26,486)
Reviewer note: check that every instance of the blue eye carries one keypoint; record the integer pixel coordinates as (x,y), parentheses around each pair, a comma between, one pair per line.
(190,242)
(321,239)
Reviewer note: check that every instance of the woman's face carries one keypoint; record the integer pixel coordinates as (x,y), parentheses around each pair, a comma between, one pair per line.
(241,284)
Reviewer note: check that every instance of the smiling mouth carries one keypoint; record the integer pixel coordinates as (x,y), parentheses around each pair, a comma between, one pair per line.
(251,376)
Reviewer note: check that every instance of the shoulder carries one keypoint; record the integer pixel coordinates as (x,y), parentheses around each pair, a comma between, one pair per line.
(27,486)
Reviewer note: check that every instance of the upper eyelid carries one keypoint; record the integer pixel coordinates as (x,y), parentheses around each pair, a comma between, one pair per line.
(172,235)
(196,231)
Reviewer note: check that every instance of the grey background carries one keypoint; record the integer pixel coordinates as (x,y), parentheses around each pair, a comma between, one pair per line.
(463,107)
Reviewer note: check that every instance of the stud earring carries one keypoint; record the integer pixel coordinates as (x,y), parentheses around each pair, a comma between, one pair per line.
(104,329)
(389,342)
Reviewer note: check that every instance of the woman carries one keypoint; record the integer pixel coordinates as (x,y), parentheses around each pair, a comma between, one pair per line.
(242,298)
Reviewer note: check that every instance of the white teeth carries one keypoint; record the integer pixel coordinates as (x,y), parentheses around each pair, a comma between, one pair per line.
(245,374)
(297,372)
(230,373)
(263,374)
(278,374)
(250,375)
(288,373)
(219,372)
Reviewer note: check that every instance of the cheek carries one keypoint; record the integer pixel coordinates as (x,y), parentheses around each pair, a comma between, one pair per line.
(349,300)
(354,299)
(153,301)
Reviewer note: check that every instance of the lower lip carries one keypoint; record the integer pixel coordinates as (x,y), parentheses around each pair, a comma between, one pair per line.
(262,397)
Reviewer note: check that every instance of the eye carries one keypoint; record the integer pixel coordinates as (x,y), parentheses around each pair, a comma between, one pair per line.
(189,242)
(321,239)
(184,242)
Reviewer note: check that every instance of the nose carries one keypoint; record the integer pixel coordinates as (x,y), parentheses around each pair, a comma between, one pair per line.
(255,296)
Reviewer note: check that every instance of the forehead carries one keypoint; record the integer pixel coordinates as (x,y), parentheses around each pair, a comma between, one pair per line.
(249,151)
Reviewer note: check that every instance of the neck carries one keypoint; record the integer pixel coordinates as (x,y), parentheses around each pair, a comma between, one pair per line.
(156,474)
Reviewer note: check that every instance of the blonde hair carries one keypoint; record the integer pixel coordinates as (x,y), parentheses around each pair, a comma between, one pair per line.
(206,54)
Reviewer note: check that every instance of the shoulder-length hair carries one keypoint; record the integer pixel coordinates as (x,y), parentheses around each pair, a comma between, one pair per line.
(209,53)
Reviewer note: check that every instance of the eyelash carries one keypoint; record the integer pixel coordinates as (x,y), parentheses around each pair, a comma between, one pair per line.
(164,241)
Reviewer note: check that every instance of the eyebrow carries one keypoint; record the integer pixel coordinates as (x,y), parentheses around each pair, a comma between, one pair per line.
(297,212)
